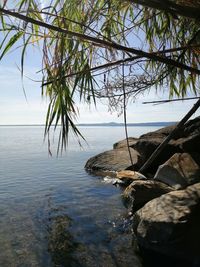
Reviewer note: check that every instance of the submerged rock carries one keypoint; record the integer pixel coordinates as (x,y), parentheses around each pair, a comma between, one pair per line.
(139,192)
(181,170)
(113,160)
(170,224)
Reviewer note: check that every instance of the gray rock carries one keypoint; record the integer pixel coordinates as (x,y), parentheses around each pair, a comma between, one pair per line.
(128,176)
(138,193)
(179,171)
(186,139)
(113,160)
(123,143)
(163,132)
(147,145)
(170,224)
(191,143)
(192,127)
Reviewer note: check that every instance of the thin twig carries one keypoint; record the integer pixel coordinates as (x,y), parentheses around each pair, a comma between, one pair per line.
(171,100)
(124,112)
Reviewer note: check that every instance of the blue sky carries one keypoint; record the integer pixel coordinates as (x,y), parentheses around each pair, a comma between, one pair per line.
(14,109)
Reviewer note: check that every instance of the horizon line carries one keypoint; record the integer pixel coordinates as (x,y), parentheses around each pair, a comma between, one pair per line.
(99,123)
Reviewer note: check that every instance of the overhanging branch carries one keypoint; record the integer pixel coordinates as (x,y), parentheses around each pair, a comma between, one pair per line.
(118,62)
(171,7)
(103,43)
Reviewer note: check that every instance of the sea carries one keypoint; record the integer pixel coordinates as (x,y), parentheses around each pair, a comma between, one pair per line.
(54,213)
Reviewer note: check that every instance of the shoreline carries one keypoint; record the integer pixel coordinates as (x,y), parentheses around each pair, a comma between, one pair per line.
(171,182)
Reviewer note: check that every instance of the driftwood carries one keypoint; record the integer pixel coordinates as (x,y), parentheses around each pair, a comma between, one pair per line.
(169,137)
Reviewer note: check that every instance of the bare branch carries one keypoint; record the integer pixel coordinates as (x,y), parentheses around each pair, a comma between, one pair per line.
(170,100)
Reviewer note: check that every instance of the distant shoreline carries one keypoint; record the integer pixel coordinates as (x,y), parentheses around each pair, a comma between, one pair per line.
(110,124)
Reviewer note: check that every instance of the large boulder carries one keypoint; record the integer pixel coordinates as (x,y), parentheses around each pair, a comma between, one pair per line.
(147,145)
(123,143)
(139,192)
(189,137)
(170,224)
(163,132)
(181,170)
(192,127)
(186,139)
(191,143)
(113,160)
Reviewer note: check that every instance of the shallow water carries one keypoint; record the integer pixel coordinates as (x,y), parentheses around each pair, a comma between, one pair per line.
(52,213)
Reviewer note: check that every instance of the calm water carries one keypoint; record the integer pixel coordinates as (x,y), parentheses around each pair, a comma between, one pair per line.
(52,213)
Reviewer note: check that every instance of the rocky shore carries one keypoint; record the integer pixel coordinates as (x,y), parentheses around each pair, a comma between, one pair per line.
(165,200)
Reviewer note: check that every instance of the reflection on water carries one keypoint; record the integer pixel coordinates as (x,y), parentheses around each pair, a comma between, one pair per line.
(52,213)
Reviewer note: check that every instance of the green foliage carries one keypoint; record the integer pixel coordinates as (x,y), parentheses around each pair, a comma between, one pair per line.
(163,30)
(68,33)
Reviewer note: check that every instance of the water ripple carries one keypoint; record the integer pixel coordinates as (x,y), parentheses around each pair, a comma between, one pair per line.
(52,213)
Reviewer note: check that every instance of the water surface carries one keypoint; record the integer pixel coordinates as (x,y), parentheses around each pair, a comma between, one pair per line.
(52,213)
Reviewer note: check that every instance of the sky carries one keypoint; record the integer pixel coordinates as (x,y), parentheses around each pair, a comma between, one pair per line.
(16,110)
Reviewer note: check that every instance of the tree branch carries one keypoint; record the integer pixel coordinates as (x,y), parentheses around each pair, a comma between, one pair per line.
(171,7)
(103,43)
(118,62)
(159,149)
(171,100)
